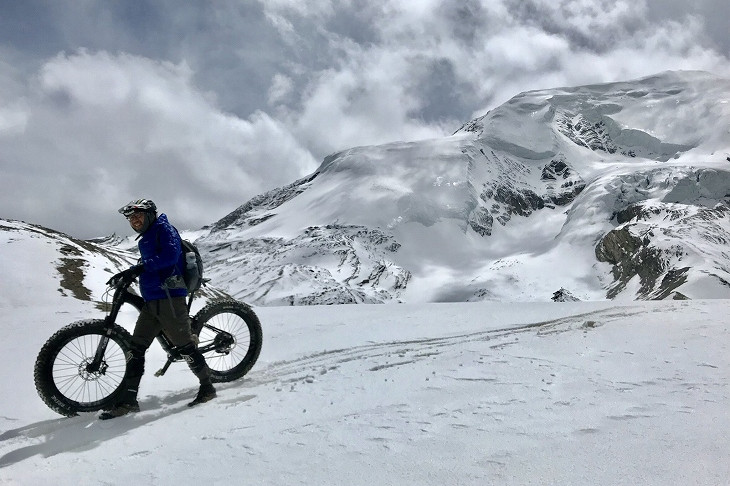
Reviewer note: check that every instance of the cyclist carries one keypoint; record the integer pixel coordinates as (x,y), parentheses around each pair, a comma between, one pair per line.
(165,309)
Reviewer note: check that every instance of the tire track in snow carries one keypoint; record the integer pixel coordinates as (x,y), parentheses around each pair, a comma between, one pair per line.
(52,436)
(409,351)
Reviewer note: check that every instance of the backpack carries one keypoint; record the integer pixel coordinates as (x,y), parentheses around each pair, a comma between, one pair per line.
(193,266)
(191,263)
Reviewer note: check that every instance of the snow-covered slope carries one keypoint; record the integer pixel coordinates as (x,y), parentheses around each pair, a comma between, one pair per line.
(38,263)
(616,190)
(587,393)
(43,265)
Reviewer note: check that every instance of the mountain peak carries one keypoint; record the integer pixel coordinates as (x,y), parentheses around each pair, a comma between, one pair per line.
(513,206)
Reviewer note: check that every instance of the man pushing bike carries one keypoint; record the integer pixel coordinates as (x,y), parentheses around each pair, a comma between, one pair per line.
(165,310)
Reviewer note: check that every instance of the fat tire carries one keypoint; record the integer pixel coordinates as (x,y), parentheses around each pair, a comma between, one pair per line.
(50,356)
(229,311)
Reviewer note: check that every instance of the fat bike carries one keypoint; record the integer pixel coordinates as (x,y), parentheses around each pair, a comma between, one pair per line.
(83,366)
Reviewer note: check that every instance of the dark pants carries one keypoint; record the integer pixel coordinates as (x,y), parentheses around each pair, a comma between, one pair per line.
(169,316)
(157,316)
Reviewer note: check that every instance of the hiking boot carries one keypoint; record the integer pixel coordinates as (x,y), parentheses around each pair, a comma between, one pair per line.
(206,393)
(119,410)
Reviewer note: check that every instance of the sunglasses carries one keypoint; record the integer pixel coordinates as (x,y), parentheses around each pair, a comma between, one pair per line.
(135,215)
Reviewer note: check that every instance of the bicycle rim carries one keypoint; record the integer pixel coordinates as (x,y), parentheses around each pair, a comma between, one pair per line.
(71,377)
(226,357)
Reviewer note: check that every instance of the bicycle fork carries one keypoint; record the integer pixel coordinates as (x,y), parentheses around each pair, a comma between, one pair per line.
(96,364)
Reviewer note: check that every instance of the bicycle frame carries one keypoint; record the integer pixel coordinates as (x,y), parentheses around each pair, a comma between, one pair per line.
(122,296)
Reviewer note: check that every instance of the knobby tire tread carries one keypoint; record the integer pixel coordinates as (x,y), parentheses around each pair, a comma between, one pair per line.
(43,370)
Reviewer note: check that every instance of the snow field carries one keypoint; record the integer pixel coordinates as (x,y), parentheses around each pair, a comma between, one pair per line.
(480,393)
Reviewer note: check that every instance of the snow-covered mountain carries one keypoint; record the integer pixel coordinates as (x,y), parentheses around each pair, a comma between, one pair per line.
(616,190)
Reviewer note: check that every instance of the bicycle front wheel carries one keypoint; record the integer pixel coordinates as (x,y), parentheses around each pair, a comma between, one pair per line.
(64,377)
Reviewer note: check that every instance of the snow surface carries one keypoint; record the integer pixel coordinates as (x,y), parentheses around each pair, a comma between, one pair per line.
(582,393)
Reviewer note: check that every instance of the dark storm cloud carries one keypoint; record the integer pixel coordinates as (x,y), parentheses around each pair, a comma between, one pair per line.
(594,26)
(713,14)
(441,92)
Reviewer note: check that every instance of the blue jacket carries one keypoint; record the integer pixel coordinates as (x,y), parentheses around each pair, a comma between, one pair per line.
(161,255)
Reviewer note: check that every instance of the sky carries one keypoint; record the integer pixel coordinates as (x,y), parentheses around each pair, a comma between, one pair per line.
(202,105)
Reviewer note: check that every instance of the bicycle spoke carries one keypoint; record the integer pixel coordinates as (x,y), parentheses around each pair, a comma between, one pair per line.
(234,325)
(72,378)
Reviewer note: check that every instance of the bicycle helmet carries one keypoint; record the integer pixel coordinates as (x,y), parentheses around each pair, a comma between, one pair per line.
(139,205)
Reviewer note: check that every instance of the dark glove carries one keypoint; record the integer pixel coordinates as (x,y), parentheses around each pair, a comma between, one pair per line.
(126,276)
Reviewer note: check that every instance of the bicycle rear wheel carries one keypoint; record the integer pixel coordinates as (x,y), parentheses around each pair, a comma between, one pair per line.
(230,338)
(62,374)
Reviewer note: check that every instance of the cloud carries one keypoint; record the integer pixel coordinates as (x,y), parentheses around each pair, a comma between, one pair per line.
(364,102)
(100,129)
(426,66)
(281,88)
